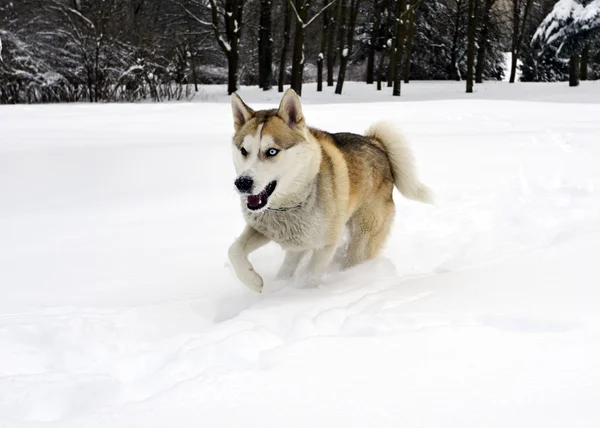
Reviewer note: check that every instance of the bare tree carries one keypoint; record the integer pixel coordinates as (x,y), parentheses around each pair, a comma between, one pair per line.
(473,6)
(346,38)
(231,14)
(265,47)
(321,56)
(377,12)
(384,46)
(226,24)
(585,57)
(301,8)
(574,70)
(483,39)
(409,41)
(287,36)
(453,66)
(331,56)
(113,50)
(380,67)
(520,18)
(398,51)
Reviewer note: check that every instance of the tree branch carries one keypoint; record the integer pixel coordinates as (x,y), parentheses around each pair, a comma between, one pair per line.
(319,13)
(409,10)
(306,24)
(190,14)
(296,12)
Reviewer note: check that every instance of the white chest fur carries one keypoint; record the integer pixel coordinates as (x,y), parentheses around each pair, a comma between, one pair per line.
(296,229)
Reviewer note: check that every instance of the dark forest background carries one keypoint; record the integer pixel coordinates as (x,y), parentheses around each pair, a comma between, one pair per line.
(130,50)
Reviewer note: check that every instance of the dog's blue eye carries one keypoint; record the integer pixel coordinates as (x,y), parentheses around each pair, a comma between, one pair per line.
(272,152)
(243,152)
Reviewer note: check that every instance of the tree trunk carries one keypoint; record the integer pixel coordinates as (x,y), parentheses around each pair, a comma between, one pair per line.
(373,43)
(471,43)
(485,29)
(513,46)
(96,71)
(453,71)
(517,35)
(194,73)
(399,46)
(347,51)
(513,66)
(321,57)
(232,72)
(574,71)
(380,68)
(192,54)
(343,27)
(585,55)
(330,42)
(233,20)
(265,47)
(232,64)
(287,26)
(409,43)
(298,56)
(391,70)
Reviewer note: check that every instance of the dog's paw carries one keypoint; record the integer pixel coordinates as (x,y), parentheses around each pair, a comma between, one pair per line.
(252,280)
(314,280)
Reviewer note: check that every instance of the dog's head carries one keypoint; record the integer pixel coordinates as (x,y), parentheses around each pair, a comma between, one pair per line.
(273,155)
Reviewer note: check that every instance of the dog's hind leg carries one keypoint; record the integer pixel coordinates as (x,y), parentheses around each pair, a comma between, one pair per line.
(370,226)
(249,241)
(290,264)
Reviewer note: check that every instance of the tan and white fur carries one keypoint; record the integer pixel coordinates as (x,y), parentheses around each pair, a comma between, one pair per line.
(302,188)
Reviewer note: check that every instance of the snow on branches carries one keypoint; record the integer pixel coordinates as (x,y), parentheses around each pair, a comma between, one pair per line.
(568,20)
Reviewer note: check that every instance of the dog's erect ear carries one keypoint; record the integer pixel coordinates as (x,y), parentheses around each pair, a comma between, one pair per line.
(241,112)
(290,109)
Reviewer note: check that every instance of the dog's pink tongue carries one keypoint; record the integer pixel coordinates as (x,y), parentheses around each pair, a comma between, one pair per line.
(254,200)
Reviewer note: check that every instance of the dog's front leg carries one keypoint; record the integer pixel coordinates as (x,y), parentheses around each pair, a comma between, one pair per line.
(249,241)
(319,261)
(290,264)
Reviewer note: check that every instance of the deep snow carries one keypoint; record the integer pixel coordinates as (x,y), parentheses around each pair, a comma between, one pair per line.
(119,307)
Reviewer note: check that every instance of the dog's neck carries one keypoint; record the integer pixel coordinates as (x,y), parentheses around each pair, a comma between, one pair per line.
(298,199)
(285,208)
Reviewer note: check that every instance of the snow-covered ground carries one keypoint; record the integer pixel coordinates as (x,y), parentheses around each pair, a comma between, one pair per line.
(357,92)
(118,307)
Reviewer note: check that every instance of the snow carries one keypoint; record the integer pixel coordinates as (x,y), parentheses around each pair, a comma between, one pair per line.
(507,63)
(119,307)
(225,43)
(345,52)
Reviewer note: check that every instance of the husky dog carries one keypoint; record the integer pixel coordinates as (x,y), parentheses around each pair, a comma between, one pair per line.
(301,188)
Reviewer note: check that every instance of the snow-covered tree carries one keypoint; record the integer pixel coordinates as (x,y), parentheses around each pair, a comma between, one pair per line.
(569,20)
(571,25)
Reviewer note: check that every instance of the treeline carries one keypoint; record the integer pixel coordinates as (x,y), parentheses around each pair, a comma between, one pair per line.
(129,50)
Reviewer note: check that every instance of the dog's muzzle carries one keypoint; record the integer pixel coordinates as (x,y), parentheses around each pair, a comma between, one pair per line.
(258,201)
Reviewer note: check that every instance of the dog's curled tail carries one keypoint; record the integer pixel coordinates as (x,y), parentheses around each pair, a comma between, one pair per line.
(402,162)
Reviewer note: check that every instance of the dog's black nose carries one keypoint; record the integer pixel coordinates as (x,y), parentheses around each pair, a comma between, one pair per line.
(244,184)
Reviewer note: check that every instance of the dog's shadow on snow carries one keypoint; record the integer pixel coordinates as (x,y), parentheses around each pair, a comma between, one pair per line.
(337,280)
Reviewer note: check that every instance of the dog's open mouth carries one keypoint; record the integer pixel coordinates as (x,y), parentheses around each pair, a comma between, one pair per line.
(256,202)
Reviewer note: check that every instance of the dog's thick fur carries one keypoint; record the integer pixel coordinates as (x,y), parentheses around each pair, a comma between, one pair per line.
(325,183)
